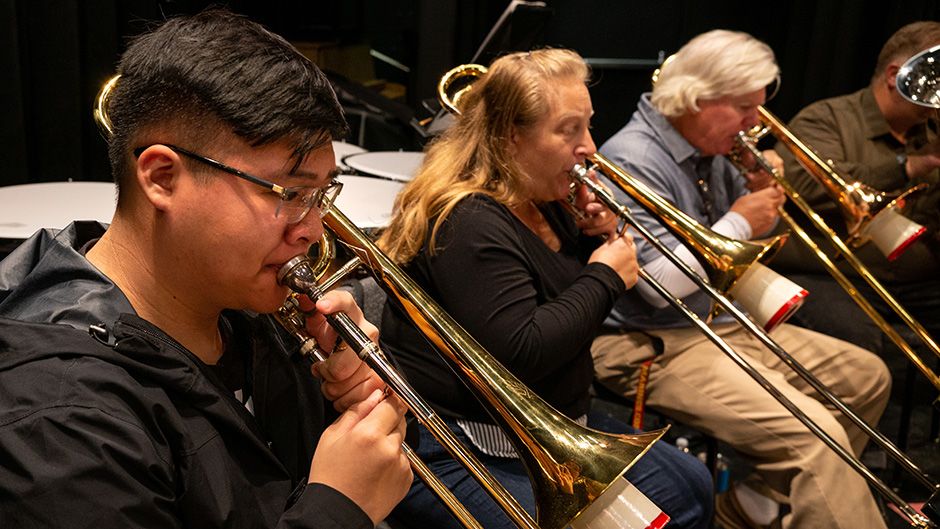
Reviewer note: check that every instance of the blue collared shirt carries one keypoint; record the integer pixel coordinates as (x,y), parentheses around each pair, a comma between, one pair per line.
(653,151)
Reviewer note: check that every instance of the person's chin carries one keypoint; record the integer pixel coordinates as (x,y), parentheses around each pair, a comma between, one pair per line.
(268,302)
(561,191)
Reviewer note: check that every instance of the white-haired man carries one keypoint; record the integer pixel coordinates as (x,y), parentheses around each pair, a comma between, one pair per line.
(676,142)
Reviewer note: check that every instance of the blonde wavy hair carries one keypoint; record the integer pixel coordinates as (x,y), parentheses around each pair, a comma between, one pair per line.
(715,64)
(473,155)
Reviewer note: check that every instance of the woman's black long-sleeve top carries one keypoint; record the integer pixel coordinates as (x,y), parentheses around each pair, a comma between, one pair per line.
(534,309)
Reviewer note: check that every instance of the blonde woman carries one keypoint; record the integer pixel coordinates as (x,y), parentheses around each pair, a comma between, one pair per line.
(482,228)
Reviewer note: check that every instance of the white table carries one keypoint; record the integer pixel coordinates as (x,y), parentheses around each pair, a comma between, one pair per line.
(341,150)
(367,201)
(27,208)
(400,166)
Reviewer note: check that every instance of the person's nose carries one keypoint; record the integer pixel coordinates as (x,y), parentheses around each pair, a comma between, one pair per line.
(306,231)
(586,146)
(750,120)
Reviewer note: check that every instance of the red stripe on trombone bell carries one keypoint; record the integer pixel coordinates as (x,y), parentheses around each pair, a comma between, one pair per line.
(787,310)
(659,521)
(904,245)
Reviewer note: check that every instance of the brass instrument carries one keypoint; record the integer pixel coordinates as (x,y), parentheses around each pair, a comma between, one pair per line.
(691,235)
(571,466)
(859,203)
(293,319)
(918,79)
(847,195)
(456,83)
(726,260)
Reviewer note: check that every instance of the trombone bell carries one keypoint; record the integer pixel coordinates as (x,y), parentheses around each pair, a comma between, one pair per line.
(918,79)
(729,264)
(456,83)
(891,232)
(859,204)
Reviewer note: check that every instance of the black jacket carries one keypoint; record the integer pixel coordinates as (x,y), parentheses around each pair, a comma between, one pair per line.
(121,426)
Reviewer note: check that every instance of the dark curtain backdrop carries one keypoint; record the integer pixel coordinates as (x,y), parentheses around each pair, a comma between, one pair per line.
(56,54)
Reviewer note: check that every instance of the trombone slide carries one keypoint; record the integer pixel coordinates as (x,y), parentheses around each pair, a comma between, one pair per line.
(807,156)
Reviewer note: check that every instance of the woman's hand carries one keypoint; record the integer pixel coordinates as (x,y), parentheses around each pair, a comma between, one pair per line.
(597,218)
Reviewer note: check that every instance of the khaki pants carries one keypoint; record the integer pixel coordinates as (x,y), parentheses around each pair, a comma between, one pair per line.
(697,384)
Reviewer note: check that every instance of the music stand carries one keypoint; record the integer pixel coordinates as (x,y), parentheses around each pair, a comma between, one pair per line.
(519,28)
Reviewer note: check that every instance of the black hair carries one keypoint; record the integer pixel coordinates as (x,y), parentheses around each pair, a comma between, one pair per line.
(196,74)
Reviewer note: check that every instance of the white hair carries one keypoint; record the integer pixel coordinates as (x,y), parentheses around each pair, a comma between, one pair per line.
(715,64)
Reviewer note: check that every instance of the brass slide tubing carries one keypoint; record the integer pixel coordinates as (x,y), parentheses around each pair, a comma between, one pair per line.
(290,317)
(691,233)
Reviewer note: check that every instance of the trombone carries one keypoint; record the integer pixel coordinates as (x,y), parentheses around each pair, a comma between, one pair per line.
(725,261)
(571,467)
(860,204)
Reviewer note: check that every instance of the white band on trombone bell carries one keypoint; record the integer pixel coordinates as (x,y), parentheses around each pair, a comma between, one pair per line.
(767,296)
(621,505)
(892,232)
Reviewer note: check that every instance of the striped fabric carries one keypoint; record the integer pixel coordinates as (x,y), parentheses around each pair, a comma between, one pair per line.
(490,439)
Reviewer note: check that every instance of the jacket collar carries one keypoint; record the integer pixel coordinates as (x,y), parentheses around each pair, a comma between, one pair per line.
(48,279)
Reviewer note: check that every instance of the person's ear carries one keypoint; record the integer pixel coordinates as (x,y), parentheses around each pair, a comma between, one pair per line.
(891,75)
(514,139)
(158,175)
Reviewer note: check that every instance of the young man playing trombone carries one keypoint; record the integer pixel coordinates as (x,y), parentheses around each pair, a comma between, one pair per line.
(677,143)
(139,387)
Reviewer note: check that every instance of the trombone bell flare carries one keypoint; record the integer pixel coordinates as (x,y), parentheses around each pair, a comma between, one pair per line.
(918,79)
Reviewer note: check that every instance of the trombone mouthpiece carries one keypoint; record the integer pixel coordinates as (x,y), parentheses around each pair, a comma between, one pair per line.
(578,171)
(295,272)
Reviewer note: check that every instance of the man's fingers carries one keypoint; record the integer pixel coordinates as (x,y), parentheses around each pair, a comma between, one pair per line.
(342,363)
(357,412)
(387,416)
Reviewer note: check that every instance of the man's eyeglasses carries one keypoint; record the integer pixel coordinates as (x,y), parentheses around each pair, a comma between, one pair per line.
(295,202)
